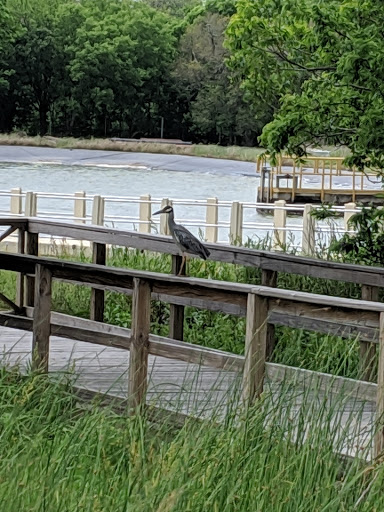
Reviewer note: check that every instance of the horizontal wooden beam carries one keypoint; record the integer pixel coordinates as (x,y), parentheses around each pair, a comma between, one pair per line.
(99,333)
(237,255)
(347,388)
(17,222)
(283,298)
(164,284)
(118,337)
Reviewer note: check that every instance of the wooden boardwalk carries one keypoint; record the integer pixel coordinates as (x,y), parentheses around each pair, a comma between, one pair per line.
(188,388)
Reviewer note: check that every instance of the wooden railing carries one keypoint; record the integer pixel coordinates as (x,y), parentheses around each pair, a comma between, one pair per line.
(270,263)
(264,307)
(288,175)
(223,221)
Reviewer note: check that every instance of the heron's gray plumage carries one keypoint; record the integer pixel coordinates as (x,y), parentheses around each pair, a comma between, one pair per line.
(185,240)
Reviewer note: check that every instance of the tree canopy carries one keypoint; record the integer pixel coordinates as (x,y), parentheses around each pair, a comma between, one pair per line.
(318,64)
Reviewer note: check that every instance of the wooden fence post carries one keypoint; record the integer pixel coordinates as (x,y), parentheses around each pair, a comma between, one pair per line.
(236,224)
(30,204)
(42,318)
(138,359)
(309,227)
(145,213)
(16,206)
(367,349)
(269,278)
(164,230)
(80,208)
(20,280)
(379,437)
(176,316)
(211,217)
(348,215)
(98,211)
(279,221)
(255,348)
(32,248)
(99,256)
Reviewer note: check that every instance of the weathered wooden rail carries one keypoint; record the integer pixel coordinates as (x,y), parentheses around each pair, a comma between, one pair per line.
(264,307)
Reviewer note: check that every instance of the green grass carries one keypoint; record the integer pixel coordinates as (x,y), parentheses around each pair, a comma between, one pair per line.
(246,154)
(59,456)
(304,349)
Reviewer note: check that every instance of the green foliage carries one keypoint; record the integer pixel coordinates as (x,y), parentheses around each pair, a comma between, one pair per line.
(61,455)
(319,66)
(366,245)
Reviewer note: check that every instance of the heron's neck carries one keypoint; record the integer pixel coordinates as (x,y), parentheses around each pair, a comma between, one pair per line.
(171,219)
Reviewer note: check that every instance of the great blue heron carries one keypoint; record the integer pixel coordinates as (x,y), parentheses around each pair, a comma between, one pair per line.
(185,241)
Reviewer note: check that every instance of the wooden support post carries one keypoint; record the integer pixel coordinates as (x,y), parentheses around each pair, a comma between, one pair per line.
(236,224)
(269,278)
(145,214)
(348,214)
(138,359)
(164,229)
(367,349)
(98,211)
(80,208)
(309,230)
(255,348)
(20,277)
(32,248)
(16,206)
(279,221)
(99,256)
(42,318)
(211,217)
(176,317)
(379,437)
(30,204)
(261,189)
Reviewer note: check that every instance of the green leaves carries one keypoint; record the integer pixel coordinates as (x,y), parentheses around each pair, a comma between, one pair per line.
(320,64)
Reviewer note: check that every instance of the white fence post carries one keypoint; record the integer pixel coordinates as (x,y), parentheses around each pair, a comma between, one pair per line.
(80,208)
(145,212)
(211,217)
(279,221)
(16,206)
(309,227)
(236,224)
(348,215)
(30,204)
(164,230)
(98,211)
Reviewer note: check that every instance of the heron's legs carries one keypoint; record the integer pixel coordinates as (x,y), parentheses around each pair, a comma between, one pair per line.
(182,264)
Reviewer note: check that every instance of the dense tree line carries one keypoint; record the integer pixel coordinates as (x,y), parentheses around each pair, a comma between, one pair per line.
(296,72)
(115,68)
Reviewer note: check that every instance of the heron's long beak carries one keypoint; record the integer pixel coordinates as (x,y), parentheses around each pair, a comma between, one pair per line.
(159,211)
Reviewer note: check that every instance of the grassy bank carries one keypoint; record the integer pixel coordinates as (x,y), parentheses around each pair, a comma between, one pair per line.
(59,456)
(244,154)
(210,151)
(295,347)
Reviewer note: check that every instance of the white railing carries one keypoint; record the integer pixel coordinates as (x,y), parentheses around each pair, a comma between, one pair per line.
(277,224)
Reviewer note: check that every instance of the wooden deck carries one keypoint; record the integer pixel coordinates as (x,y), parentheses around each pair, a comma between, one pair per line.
(192,389)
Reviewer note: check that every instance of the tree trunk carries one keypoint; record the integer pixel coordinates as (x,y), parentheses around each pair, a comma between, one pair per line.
(43,119)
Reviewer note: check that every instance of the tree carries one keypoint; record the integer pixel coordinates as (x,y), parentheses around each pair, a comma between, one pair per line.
(119,63)
(319,66)
(215,105)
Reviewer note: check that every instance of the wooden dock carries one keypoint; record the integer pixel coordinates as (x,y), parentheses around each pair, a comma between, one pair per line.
(173,375)
(188,388)
(317,180)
